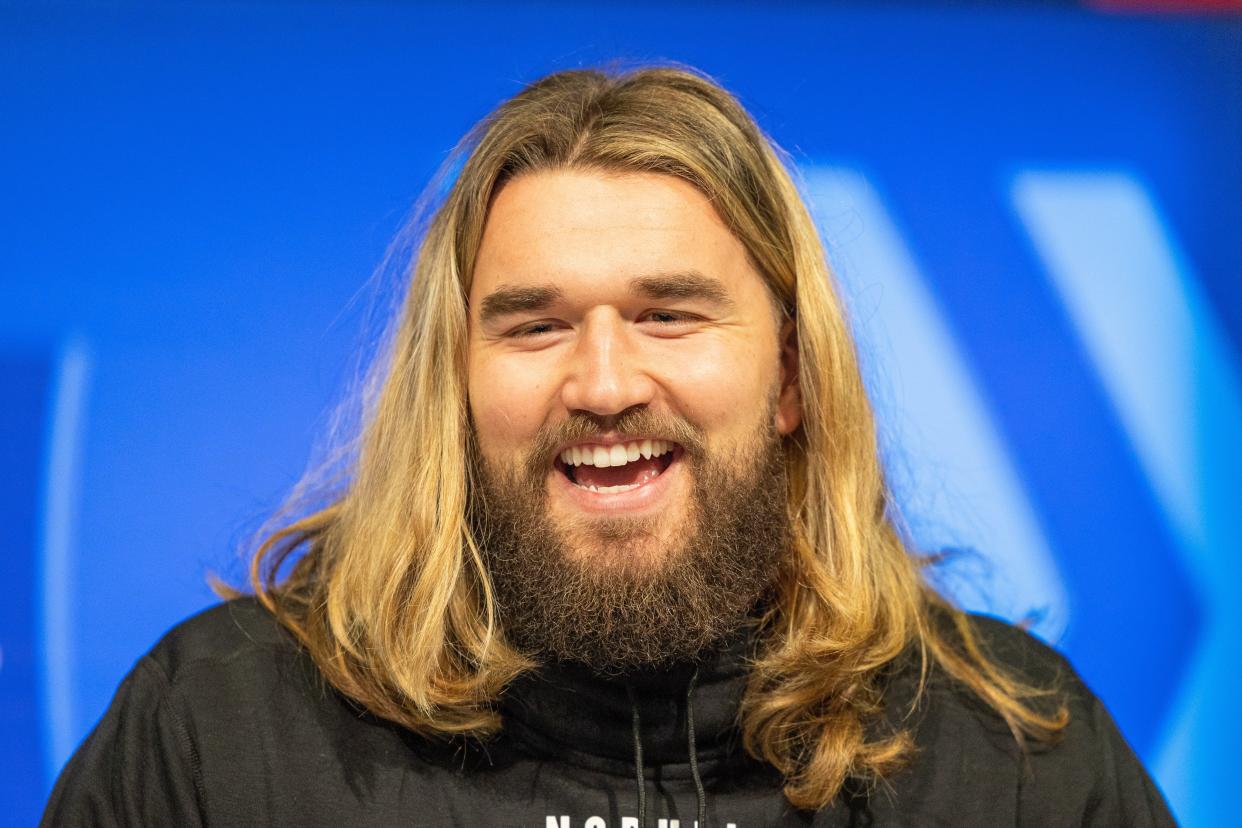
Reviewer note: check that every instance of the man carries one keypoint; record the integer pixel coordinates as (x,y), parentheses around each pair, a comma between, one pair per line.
(616,548)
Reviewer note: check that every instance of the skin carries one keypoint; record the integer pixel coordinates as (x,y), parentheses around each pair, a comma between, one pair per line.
(570,312)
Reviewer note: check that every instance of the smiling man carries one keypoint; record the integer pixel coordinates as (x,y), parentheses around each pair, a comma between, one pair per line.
(630,381)
(615,548)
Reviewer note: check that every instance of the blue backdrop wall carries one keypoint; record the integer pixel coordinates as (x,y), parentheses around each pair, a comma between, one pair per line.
(1035,212)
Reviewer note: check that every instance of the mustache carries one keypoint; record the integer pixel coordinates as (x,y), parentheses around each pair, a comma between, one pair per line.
(581,426)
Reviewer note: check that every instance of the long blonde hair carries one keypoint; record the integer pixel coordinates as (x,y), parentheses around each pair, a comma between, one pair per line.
(390,594)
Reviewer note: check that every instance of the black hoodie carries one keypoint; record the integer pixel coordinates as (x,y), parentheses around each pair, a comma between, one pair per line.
(226,722)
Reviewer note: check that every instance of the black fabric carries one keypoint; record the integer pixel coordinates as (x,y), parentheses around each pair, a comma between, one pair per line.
(226,722)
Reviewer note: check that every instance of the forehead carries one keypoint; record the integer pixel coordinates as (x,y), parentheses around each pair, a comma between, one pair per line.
(584,230)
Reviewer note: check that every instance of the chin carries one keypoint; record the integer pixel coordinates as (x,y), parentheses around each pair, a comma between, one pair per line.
(627,544)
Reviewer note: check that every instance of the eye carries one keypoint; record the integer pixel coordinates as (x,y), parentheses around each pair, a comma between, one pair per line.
(531,329)
(667,317)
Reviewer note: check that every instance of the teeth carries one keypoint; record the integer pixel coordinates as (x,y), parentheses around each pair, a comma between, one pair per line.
(617,454)
(613,489)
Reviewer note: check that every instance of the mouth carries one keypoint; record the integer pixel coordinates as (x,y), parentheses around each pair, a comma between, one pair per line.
(617,467)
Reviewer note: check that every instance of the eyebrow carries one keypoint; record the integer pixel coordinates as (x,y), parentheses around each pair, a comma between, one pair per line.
(689,284)
(507,300)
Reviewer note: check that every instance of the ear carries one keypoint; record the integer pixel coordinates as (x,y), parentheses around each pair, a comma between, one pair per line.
(789,399)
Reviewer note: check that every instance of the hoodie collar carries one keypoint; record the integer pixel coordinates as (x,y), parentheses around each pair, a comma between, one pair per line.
(567,709)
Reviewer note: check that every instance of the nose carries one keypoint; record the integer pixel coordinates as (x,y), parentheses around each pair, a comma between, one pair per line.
(607,373)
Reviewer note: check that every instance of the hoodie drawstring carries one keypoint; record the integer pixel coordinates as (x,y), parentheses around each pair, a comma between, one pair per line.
(638,759)
(694,752)
(692,746)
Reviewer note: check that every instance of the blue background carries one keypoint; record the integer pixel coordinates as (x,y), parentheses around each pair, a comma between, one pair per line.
(1034,211)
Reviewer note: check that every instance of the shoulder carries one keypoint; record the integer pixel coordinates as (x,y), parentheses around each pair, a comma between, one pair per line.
(233,668)
(145,762)
(1025,656)
(1046,680)
(1051,685)
(250,696)
(1086,774)
(1010,650)
(921,692)
(240,630)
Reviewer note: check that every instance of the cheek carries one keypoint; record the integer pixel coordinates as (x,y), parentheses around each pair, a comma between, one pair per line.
(507,404)
(722,390)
